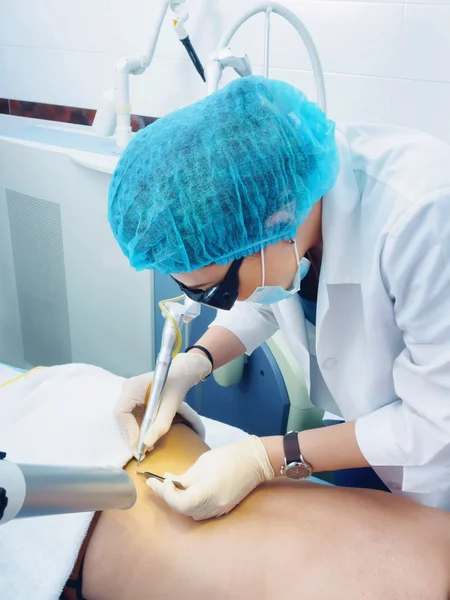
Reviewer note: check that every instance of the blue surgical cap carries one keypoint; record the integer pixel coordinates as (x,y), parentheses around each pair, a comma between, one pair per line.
(222,178)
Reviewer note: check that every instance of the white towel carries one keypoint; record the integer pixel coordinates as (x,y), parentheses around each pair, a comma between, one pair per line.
(62,416)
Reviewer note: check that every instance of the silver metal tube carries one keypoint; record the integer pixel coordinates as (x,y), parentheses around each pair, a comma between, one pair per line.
(52,490)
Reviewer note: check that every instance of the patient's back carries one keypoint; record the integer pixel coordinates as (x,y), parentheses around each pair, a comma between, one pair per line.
(286,540)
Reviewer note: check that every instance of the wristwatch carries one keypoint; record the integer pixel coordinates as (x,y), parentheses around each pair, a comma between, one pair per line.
(295,466)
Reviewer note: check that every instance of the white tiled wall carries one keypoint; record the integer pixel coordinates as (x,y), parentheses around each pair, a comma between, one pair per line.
(385,61)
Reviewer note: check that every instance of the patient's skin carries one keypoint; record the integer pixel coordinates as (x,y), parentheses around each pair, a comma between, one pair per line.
(286,540)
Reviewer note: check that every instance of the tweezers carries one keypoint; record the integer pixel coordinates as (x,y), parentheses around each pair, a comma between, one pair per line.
(147,474)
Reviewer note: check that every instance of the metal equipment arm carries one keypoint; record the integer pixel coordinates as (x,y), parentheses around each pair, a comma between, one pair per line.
(41,490)
(114,114)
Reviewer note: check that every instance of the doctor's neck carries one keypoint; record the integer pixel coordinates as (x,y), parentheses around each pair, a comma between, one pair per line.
(309,234)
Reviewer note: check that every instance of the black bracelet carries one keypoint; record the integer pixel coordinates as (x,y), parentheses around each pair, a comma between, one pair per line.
(207,353)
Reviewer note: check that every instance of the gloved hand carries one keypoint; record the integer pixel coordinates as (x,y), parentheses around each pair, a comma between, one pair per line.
(185,371)
(218,481)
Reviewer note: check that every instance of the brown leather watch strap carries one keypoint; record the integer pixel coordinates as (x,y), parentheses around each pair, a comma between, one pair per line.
(291,447)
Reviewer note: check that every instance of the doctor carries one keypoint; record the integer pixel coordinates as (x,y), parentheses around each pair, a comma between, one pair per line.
(257,206)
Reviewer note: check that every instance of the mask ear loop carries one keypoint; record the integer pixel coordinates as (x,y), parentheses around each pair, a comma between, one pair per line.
(296,251)
(263,268)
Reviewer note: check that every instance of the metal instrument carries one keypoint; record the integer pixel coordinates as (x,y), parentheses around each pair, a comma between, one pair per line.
(177,484)
(177,313)
(182,16)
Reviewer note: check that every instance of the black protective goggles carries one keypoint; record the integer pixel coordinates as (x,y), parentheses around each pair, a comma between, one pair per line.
(223,295)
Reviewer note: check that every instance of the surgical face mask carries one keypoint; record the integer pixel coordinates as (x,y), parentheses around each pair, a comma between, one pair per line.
(271,294)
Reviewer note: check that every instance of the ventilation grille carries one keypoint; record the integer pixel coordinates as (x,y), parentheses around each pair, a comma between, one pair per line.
(38,255)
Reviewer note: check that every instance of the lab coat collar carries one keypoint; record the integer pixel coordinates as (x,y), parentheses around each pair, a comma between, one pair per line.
(340,259)
(341,224)
(290,317)
(340,233)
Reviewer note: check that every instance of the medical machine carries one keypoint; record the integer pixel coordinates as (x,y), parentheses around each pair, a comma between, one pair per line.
(41,490)
(67,293)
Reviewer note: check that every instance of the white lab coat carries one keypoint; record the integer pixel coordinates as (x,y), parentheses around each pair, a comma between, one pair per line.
(380,354)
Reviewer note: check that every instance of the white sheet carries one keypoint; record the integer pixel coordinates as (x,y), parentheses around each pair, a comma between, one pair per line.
(60,415)
(44,418)
(7,373)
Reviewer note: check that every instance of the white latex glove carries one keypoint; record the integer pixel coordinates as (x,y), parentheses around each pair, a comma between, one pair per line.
(185,371)
(218,481)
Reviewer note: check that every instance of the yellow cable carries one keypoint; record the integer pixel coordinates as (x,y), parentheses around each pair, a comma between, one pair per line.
(167,314)
(21,376)
(147,393)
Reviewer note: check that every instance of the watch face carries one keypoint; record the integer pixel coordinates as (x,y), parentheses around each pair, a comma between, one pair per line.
(298,471)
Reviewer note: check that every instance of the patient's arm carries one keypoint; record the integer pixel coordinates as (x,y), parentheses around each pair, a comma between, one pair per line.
(286,540)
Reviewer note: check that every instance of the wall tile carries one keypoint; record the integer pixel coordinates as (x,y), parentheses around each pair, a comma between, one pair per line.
(57,77)
(424,50)
(428,2)
(347,35)
(113,27)
(349,97)
(354,98)
(351,37)
(63,52)
(422,105)
(107,26)
(166,86)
